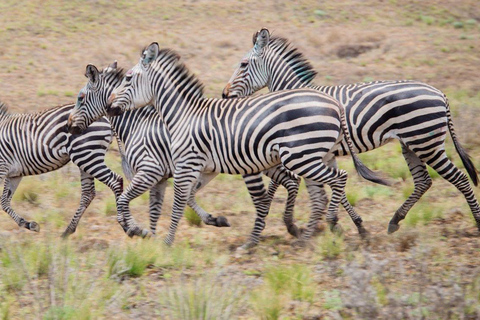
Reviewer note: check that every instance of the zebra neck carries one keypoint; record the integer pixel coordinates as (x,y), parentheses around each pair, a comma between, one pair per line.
(284,77)
(120,124)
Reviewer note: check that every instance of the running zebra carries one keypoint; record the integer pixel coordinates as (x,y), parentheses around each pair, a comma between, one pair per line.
(146,159)
(416,114)
(37,143)
(297,129)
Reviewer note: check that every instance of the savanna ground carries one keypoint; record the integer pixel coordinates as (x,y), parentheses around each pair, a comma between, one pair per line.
(428,269)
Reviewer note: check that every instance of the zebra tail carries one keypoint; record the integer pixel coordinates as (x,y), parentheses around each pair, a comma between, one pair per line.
(467,162)
(127,169)
(362,169)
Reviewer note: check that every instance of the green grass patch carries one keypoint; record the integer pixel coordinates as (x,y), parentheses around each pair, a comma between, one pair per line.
(192,218)
(330,246)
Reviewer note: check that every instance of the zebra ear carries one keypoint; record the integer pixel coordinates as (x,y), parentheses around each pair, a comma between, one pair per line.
(91,72)
(261,39)
(113,65)
(150,54)
(254,38)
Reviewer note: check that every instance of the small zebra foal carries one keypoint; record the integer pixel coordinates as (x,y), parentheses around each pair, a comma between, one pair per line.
(297,129)
(414,113)
(37,143)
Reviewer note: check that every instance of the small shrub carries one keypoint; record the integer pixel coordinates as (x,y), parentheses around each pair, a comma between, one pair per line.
(205,298)
(330,246)
(131,261)
(266,303)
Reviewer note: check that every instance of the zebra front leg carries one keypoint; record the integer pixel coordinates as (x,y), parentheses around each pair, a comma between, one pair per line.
(157,194)
(185,178)
(422,182)
(9,188)
(88,194)
(207,218)
(141,182)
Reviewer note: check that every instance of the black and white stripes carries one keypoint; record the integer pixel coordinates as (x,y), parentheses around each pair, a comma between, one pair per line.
(32,144)
(416,114)
(296,129)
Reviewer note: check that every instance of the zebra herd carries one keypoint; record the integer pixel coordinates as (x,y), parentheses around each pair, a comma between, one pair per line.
(166,128)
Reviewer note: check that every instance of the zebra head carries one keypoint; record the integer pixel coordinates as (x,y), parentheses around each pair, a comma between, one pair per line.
(251,74)
(136,90)
(272,62)
(92,100)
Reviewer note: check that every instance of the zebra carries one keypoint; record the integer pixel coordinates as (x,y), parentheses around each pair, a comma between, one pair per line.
(36,143)
(147,142)
(414,113)
(297,129)
(145,153)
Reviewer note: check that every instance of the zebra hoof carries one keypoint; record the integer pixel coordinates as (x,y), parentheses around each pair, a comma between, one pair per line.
(247,246)
(363,232)
(222,222)
(146,234)
(299,243)
(294,231)
(336,229)
(67,233)
(33,226)
(392,228)
(134,231)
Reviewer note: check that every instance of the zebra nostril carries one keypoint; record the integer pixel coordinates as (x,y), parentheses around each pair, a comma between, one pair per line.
(224,96)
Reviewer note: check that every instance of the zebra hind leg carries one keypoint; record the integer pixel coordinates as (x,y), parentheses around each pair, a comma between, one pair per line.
(458,178)
(422,182)
(318,203)
(88,194)
(332,218)
(291,182)
(261,200)
(9,189)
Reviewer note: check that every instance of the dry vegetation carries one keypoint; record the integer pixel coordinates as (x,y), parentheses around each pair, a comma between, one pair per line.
(428,269)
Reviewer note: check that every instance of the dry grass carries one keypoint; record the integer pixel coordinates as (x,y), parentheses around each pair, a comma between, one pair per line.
(429,268)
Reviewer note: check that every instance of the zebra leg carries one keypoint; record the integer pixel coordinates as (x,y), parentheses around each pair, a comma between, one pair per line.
(422,182)
(88,193)
(207,218)
(440,163)
(261,200)
(9,189)
(185,178)
(291,182)
(141,182)
(157,194)
(318,203)
(332,217)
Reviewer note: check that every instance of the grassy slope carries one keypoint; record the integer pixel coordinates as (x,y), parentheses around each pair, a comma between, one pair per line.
(428,267)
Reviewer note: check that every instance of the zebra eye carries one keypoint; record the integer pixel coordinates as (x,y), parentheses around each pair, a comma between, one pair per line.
(243,64)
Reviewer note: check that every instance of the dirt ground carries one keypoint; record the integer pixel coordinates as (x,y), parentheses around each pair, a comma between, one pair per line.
(428,269)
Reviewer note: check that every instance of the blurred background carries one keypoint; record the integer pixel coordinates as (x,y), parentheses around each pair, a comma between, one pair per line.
(428,269)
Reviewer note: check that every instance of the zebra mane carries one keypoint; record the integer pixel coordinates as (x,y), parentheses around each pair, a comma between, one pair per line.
(115,75)
(293,57)
(187,83)
(3,109)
